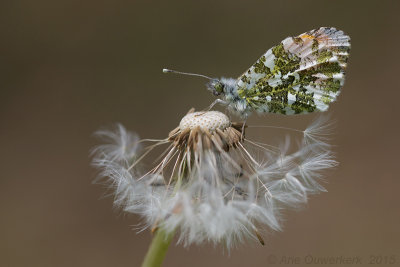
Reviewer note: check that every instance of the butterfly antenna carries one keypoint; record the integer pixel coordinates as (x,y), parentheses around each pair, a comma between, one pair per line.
(185,73)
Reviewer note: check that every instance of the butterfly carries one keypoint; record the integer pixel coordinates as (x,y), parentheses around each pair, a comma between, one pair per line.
(300,75)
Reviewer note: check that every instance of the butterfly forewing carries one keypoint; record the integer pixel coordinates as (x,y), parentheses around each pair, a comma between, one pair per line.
(300,75)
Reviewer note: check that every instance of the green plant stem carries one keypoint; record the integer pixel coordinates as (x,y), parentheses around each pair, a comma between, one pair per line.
(158,248)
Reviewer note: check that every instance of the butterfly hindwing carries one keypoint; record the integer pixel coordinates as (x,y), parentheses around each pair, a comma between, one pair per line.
(300,75)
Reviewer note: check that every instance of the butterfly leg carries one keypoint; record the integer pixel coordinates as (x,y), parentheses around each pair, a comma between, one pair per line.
(244,125)
(217,101)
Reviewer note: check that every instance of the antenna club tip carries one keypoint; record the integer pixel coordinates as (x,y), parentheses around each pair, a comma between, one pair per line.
(185,73)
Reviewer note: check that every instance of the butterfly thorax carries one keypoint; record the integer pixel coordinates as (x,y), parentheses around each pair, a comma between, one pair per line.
(227,89)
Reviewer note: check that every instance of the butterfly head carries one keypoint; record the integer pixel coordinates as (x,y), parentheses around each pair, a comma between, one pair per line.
(216,87)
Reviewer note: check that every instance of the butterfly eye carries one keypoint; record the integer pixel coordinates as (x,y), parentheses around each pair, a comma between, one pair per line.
(216,87)
(219,87)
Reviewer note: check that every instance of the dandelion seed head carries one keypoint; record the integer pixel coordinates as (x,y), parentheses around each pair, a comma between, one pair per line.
(210,184)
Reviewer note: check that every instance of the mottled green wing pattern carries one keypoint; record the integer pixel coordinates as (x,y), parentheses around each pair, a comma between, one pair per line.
(300,75)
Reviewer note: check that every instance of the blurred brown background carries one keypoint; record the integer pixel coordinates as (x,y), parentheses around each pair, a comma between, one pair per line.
(71,67)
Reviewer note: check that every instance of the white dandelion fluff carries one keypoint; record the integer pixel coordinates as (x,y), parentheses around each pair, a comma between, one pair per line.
(210,184)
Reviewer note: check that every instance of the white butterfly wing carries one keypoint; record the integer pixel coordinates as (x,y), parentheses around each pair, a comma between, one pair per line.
(300,75)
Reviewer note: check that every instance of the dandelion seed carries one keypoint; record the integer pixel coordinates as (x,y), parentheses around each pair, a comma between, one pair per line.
(211,183)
